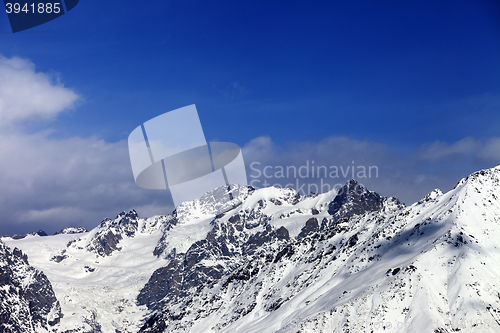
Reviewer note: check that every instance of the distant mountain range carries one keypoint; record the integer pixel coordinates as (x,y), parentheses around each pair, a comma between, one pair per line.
(268,260)
(70,230)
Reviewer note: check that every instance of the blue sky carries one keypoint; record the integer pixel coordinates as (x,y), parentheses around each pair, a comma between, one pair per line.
(411,86)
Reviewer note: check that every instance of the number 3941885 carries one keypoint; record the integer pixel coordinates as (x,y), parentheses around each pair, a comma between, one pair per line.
(40,8)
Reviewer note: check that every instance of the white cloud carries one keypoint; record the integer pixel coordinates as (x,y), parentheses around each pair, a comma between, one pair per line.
(484,149)
(26,94)
(51,184)
(490,149)
(53,213)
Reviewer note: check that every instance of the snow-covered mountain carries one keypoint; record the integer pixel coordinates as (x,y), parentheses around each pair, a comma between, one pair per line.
(27,301)
(269,260)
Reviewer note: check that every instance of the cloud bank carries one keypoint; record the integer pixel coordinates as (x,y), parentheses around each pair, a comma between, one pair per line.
(50,184)
(409,176)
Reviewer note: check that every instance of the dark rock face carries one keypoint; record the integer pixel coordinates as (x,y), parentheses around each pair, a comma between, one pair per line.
(164,281)
(40,233)
(226,247)
(27,301)
(354,199)
(58,258)
(310,227)
(111,232)
(217,202)
(107,243)
(16,236)
(162,244)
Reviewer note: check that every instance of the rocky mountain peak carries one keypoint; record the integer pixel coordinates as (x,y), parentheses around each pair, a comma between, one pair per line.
(109,233)
(353,199)
(71,230)
(431,196)
(216,202)
(479,177)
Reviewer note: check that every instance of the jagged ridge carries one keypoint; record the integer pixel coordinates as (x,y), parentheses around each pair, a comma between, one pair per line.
(27,301)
